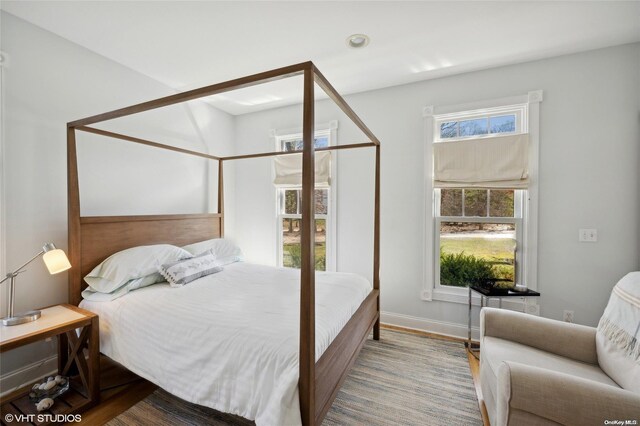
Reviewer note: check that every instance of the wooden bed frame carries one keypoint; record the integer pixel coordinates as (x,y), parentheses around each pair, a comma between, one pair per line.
(92,239)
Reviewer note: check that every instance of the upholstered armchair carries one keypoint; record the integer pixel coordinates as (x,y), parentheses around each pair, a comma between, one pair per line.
(538,371)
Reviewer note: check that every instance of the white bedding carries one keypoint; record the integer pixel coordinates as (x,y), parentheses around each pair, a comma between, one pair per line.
(228,341)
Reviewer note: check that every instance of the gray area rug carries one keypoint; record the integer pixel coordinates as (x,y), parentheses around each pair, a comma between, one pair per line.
(403,379)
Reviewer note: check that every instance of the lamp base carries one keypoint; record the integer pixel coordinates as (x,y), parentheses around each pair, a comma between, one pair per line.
(21,318)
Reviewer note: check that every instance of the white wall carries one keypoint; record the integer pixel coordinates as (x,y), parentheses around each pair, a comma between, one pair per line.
(49,81)
(589,178)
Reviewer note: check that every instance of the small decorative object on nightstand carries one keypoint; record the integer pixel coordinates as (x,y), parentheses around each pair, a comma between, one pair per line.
(52,387)
(56,262)
(76,330)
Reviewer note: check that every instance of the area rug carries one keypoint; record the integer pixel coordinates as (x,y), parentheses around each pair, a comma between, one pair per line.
(402,379)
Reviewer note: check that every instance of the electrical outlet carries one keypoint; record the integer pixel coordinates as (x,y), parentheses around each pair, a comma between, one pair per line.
(568,316)
(587,235)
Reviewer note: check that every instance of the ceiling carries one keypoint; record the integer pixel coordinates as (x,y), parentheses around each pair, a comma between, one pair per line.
(190,44)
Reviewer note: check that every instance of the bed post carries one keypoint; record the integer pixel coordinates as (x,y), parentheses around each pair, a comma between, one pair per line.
(221,196)
(73,221)
(306,383)
(376,242)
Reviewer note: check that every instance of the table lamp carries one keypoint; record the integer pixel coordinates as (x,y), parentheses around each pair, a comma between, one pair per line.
(55,260)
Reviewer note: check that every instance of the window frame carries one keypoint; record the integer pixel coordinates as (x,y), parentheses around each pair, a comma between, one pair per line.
(520,112)
(526,261)
(328,130)
(517,221)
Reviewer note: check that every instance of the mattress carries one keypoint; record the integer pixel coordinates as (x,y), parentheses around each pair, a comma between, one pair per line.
(228,341)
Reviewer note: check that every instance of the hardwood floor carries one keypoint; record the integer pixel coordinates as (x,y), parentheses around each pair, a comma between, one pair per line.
(121,389)
(422,333)
(474,366)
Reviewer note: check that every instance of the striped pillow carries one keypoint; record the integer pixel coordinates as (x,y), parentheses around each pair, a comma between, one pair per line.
(184,271)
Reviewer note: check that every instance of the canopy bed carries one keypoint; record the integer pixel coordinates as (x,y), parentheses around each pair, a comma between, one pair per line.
(323,359)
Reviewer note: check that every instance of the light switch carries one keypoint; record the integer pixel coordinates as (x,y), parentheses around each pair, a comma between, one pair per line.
(588,235)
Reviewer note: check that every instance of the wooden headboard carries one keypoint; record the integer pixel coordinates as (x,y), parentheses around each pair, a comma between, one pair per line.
(101,236)
(94,238)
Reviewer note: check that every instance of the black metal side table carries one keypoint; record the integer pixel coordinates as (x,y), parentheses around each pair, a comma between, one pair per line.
(486,294)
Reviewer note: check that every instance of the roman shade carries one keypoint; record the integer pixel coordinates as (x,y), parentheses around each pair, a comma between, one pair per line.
(492,163)
(289,169)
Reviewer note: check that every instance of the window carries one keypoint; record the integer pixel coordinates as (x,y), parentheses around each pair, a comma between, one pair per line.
(478,123)
(294,143)
(478,126)
(478,233)
(290,214)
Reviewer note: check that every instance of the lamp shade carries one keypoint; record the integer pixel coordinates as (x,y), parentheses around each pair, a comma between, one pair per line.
(56,261)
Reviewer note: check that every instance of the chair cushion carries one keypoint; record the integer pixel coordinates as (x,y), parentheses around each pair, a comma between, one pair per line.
(617,338)
(496,350)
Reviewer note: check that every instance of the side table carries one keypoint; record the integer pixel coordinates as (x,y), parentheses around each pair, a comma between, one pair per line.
(59,321)
(491,294)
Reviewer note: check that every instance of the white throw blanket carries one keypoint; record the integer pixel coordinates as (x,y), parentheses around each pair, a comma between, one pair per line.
(620,323)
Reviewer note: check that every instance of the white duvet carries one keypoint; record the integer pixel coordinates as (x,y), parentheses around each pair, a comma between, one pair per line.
(228,341)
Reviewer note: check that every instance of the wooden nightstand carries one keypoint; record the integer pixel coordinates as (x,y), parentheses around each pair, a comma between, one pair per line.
(60,321)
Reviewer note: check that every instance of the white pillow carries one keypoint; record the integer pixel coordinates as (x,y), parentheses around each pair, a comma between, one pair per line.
(224,250)
(90,294)
(184,271)
(130,264)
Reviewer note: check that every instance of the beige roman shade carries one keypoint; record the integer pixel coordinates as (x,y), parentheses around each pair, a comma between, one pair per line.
(494,162)
(289,169)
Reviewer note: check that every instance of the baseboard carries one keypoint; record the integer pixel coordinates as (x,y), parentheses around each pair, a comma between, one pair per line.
(429,326)
(13,380)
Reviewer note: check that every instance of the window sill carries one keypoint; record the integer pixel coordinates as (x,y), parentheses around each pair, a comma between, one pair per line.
(453,296)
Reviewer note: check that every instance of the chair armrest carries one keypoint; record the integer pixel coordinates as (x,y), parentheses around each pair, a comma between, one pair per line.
(573,341)
(561,398)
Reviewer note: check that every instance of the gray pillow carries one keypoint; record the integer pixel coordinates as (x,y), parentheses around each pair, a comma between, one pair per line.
(184,271)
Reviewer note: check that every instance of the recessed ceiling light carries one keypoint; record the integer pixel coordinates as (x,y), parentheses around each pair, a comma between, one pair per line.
(357,40)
